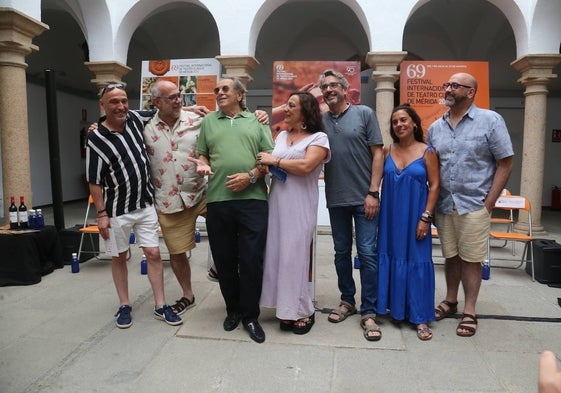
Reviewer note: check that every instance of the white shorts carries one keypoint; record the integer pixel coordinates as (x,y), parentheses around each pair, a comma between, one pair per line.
(144,223)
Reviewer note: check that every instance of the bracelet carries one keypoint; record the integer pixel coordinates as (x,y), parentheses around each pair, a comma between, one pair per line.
(428,214)
(424,220)
(103,215)
(101,211)
(278,162)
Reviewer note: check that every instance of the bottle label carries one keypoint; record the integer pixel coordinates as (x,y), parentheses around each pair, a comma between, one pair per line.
(14,217)
(23,216)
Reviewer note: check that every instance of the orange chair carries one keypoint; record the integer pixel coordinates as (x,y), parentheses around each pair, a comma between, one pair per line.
(516,204)
(91,230)
(503,219)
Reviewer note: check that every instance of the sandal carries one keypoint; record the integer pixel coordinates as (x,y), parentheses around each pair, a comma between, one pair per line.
(370,328)
(212,274)
(342,315)
(304,325)
(286,325)
(424,334)
(470,324)
(183,305)
(440,313)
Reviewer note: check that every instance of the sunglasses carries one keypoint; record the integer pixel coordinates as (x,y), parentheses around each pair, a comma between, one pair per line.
(225,89)
(112,86)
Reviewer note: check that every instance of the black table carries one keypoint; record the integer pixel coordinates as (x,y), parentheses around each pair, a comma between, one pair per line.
(26,256)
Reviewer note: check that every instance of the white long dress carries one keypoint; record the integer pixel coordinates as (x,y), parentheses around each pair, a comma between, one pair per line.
(292,221)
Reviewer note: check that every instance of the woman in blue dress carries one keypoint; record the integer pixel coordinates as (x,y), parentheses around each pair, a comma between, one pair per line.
(409,193)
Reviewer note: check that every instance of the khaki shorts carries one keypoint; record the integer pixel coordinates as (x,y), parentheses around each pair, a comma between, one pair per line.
(464,235)
(179,228)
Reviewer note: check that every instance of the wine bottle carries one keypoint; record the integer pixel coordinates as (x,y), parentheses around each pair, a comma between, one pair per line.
(22,214)
(13,214)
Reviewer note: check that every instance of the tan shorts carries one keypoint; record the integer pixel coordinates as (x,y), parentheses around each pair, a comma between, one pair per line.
(179,228)
(464,235)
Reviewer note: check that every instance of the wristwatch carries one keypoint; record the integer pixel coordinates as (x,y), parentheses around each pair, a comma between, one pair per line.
(252,178)
(375,194)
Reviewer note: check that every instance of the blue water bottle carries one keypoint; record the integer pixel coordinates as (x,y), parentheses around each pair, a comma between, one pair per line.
(32,219)
(486,271)
(143,265)
(75,264)
(39,220)
(197,235)
(132,238)
(357,262)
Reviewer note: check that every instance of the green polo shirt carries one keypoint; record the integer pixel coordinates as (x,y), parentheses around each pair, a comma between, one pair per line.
(232,144)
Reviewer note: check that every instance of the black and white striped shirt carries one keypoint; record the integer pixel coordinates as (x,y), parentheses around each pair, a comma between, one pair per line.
(119,163)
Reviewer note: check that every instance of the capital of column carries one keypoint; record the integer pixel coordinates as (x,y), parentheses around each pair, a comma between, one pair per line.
(107,72)
(17,31)
(537,71)
(238,67)
(385,66)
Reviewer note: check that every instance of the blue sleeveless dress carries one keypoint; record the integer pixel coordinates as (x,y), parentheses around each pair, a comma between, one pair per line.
(405,267)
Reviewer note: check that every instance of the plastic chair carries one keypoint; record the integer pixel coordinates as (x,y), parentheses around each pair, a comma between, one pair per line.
(91,230)
(516,204)
(507,220)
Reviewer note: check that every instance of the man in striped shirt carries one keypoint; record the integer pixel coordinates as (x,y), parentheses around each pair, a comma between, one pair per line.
(118,173)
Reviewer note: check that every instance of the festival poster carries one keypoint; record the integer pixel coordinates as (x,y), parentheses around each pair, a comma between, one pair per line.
(196,79)
(290,76)
(421,85)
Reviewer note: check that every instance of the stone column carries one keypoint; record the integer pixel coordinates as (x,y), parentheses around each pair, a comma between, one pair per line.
(537,71)
(16,33)
(385,74)
(238,67)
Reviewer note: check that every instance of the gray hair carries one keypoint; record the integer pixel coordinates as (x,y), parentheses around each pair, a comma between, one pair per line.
(240,88)
(330,72)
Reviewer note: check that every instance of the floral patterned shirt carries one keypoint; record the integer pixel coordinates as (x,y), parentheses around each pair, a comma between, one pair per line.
(176,181)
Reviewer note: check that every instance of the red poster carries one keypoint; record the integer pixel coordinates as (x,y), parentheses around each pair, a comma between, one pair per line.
(289,76)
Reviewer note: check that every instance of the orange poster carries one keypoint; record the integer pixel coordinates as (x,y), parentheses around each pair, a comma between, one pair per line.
(196,79)
(421,85)
(289,76)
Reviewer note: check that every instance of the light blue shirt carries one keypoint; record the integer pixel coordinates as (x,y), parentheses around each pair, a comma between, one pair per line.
(468,157)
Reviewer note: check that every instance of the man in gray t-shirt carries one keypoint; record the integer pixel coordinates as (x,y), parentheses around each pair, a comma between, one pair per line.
(352,182)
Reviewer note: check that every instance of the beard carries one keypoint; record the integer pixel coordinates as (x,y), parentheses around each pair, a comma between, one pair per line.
(449,101)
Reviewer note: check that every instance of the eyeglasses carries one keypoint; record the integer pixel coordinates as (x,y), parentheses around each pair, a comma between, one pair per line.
(454,86)
(112,86)
(225,89)
(173,97)
(332,85)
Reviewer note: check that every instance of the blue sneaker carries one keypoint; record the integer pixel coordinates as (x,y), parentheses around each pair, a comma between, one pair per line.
(124,319)
(166,314)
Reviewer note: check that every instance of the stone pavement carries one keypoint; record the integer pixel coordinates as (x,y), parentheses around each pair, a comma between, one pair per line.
(59,336)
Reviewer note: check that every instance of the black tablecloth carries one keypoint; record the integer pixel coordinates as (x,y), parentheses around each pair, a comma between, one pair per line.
(25,257)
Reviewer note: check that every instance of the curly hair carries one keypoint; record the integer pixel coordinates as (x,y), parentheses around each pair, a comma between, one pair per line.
(310,111)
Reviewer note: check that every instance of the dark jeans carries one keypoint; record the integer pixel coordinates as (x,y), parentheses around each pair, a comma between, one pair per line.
(237,232)
(341,219)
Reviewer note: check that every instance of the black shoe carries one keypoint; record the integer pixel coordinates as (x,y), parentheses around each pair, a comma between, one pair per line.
(231,321)
(255,330)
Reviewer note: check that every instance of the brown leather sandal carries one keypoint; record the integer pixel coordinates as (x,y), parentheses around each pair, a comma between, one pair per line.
(440,313)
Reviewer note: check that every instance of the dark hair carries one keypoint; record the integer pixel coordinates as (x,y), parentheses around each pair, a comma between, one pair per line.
(311,114)
(418,129)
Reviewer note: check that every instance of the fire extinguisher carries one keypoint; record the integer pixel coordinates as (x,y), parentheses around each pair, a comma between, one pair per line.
(555,198)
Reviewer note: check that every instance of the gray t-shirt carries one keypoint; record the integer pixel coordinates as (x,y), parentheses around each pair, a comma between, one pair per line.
(348,174)
(468,157)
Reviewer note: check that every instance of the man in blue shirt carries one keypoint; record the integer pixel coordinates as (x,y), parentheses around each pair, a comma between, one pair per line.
(476,160)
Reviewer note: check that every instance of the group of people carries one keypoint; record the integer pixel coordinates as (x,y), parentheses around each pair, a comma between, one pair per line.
(149,168)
